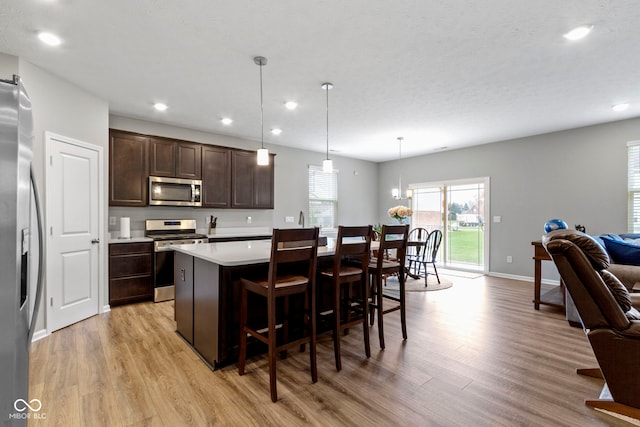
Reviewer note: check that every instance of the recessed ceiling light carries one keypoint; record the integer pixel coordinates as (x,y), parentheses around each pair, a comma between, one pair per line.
(160,106)
(49,38)
(276,131)
(291,105)
(620,107)
(578,32)
(226,121)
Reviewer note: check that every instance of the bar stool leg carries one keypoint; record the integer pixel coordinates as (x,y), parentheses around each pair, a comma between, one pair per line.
(380,310)
(313,339)
(242,357)
(403,311)
(365,313)
(336,323)
(272,349)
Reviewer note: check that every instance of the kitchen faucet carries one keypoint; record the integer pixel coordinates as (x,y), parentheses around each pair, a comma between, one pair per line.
(301,219)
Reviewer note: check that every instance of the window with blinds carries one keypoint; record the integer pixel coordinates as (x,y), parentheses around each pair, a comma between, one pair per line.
(633,153)
(323,198)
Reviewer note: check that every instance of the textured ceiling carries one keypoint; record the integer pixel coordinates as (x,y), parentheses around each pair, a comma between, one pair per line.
(439,73)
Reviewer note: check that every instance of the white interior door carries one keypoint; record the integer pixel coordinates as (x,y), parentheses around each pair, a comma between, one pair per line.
(73,229)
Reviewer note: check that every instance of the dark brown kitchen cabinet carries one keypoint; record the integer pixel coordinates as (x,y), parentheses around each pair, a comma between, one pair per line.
(216,177)
(130,272)
(242,166)
(128,169)
(183,304)
(251,184)
(231,178)
(263,185)
(175,159)
(162,157)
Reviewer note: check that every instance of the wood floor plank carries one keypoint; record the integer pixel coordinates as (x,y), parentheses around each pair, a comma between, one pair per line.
(477,354)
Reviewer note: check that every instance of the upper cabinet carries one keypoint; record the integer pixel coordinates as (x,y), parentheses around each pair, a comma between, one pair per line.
(263,185)
(216,177)
(128,169)
(252,185)
(175,159)
(231,178)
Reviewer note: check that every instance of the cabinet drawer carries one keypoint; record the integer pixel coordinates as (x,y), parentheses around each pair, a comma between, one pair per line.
(130,265)
(130,248)
(130,289)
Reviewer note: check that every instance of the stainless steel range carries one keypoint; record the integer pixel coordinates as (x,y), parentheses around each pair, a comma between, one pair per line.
(167,232)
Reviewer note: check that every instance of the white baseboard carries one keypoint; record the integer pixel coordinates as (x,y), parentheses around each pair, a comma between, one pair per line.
(38,335)
(524,278)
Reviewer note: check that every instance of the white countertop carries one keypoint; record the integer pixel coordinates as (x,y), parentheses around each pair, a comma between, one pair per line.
(239,232)
(237,253)
(130,240)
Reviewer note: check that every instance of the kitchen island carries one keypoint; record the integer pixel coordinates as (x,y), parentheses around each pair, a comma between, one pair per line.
(207,279)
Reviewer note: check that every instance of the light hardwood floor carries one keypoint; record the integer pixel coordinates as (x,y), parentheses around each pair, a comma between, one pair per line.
(477,354)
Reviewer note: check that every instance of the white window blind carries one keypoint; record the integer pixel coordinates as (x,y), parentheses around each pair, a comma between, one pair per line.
(633,153)
(323,197)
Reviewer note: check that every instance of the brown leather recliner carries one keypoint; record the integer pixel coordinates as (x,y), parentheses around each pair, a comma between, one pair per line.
(606,309)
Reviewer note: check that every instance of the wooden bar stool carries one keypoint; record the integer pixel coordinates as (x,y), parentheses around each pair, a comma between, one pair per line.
(292,270)
(392,237)
(350,267)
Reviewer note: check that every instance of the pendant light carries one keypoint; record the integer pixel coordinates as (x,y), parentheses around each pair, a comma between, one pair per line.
(263,153)
(327,164)
(397,192)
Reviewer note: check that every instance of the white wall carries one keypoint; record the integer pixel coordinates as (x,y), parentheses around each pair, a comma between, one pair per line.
(8,66)
(357,180)
(578,175)
(61,107)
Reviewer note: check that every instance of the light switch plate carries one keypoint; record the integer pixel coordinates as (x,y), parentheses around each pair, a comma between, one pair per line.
(497,218)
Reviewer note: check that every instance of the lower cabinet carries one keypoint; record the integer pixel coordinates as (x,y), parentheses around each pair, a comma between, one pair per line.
(130,272)
(183,280)
(197,304)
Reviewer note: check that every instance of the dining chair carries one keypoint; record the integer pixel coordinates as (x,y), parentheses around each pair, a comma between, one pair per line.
(350,268)
(430,253)
(292,270)
(415,249)
(391,237)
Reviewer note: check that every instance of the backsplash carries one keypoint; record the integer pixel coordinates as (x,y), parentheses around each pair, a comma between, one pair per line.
(226,218)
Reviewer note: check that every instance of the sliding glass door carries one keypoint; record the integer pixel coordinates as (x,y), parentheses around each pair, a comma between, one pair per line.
(458,209)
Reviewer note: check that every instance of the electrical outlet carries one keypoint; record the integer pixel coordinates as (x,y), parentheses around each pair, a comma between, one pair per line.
(112,220)
(289,219)
(497,218)
(509,259)
(248,220)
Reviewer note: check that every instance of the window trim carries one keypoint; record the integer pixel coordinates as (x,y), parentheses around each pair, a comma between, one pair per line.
(333,195)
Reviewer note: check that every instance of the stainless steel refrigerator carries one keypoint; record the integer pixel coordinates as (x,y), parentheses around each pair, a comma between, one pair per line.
(18,307)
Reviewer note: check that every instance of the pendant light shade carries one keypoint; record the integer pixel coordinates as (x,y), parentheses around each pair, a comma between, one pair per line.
(263,157)
(397,192)
(327,164)
(263,153)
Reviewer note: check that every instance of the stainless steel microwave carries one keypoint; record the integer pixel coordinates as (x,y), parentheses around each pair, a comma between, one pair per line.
(174,191)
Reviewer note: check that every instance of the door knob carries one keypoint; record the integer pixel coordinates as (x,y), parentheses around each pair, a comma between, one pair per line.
(95,241)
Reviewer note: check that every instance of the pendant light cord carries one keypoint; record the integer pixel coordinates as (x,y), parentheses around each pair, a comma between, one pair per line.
(261,110)
(400,175)
(327,90)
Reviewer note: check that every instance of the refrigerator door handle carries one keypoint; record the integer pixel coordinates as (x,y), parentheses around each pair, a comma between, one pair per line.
(41,254)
